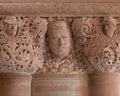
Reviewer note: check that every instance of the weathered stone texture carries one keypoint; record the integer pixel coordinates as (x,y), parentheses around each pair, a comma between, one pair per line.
(104,84)
(64,1)
(14,84)
(62,41)
(57,85)
(60,9)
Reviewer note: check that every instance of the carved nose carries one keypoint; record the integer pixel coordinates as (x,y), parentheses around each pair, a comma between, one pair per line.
(60,41)
(11,27)
(106,27)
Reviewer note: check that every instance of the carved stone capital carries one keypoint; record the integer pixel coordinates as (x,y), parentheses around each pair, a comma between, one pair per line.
(69,45)
(96,40)
(22,43)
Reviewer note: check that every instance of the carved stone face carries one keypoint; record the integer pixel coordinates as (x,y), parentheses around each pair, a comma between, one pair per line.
(59,39)
(109,26)
(10,25)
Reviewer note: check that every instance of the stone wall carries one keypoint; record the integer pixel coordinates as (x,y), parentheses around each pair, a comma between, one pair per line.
(69,45)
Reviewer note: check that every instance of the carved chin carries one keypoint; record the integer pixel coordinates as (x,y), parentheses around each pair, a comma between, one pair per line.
(110,33)
(60,55)
(12,32)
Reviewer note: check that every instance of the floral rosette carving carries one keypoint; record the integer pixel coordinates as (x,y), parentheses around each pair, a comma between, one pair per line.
(107,59)
(22,44)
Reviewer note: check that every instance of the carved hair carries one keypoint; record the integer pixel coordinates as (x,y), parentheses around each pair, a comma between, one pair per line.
(11,20)
(58,25)
(108,20)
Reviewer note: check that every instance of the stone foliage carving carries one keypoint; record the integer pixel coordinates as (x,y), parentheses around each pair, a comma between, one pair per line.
(68,45)
(21,43)
(81,29)
(100,47)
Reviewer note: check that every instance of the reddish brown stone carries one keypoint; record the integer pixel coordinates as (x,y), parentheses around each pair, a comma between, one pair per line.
(13,84)
(87,1)
(60,85)
(105,84)
(60,9)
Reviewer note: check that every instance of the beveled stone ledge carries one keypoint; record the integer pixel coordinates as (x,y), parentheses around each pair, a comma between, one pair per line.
(60,9)
(48,1)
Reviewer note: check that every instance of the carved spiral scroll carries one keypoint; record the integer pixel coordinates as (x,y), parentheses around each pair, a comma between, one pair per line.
(82,27)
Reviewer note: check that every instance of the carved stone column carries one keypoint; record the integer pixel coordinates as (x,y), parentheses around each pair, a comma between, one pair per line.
(60,85)
(14,84)
(21,53)
(105,84)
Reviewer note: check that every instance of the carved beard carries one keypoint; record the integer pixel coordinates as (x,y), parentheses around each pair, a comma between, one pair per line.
(59,54)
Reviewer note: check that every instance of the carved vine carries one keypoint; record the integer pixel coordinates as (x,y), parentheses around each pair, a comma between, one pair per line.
(22,43)
(30,44)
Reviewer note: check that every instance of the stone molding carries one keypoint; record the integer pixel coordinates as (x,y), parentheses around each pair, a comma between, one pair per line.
(58,1)
(60,9)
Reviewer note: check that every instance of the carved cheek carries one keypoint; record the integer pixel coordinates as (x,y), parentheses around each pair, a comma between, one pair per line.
(53,43)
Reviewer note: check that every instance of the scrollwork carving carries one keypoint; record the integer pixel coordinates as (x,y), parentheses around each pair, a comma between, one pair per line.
(71,45)
(107,59)
(82,27)
(22,43)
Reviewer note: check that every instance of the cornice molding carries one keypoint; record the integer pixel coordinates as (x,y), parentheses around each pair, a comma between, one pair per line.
(60,9)
(58,1)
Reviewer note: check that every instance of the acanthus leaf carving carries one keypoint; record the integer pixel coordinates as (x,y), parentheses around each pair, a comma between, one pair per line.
(71,45)
(19,50)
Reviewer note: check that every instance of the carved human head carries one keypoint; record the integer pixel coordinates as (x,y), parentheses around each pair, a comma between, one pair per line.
(59,39)
(10,25)
(109,26)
